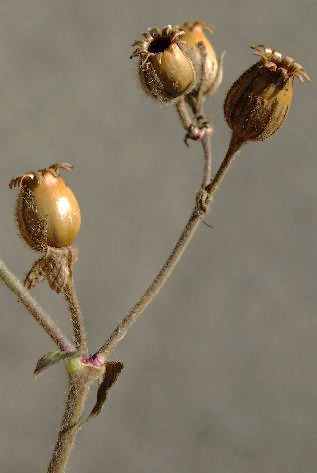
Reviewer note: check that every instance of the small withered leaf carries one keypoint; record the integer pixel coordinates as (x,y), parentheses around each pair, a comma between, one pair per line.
(113,369)
(50,359)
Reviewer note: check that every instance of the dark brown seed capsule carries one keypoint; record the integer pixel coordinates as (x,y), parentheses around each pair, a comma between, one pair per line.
(258,102)
(166,69)
(47,211)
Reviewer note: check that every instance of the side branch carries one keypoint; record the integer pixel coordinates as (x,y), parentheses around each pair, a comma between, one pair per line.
(24,296)
(204,198)
(153,289)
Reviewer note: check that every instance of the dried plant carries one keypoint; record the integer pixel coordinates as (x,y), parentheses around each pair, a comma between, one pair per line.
(177,65)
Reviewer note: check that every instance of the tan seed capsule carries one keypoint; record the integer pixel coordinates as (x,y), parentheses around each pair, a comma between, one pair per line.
(194,34)
(166,69)
(258,102)
(47,211)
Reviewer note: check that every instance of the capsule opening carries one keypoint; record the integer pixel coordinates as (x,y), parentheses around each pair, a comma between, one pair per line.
(159,45)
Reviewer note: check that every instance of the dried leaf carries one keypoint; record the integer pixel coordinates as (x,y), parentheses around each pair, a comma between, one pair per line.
(113,369)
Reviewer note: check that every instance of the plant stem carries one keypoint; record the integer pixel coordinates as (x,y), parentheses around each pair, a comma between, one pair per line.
(75,403)
(183,114)
(204,198)
(206,144)
(234,146)
(192,130)
(77,317)
(79,385)
(24,296)
(154,287)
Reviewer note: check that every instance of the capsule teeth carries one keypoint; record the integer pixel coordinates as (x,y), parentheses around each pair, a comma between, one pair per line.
(202,24)
(302,76)
(272,60)
(135,53)
(284,72)
(18,181)
(276,56)
(15,181)
(258,51)
(176,35)
(167,30)
(287,61)
(297,70)
(154,32)
(65,166)
(306,76)
(270,65)
(139,52)
(205,26)
(148,37)
(142,44)
(209,27)
(262,51)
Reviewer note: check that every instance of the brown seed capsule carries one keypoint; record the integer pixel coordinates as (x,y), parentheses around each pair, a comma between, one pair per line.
(166,69)
(47,211)
(194,34)
(258,102)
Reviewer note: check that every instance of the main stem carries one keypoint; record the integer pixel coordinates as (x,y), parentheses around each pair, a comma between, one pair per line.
(24,296)
(77,394)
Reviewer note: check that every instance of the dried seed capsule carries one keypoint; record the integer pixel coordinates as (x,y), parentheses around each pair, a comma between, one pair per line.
(194,34)
(47,211)
(166,69)
(258,102)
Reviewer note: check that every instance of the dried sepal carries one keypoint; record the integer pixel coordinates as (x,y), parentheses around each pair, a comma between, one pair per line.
(258,102)
(167,70)
(56,265)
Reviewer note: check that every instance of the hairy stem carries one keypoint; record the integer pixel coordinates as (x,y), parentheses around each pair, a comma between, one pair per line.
(24,296)
(206,144)
(77,317)
(183,114)
(204,198)
(79,386)
(154,287)
(75,403)
(234,146)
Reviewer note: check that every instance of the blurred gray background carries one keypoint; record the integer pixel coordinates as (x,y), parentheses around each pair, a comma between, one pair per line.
(220,373)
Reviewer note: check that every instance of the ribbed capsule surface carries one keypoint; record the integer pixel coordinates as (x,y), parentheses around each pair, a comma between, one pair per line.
(258,102)
(166,69)
(194,34)
(47,212)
